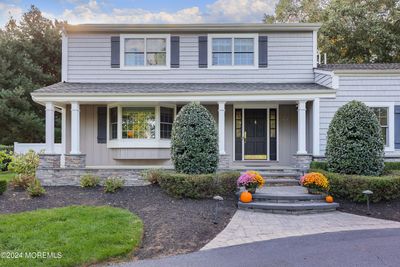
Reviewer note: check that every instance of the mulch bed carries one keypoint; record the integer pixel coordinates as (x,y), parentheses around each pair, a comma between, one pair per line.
(382,210)
(172,226)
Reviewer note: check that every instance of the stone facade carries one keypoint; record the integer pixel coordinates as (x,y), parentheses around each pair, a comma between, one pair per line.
(224,162)
(49,161)
(72,176)
(303,161)
(75,160)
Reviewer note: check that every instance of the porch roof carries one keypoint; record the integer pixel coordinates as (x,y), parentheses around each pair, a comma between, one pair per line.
(64,88)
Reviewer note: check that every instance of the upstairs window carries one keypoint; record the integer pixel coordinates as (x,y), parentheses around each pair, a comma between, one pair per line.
(145,51)
(233,51)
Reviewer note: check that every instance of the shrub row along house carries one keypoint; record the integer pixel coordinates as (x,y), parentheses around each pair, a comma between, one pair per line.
(122,86)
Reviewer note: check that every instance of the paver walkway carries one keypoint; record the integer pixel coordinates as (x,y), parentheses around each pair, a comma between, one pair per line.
(247,226)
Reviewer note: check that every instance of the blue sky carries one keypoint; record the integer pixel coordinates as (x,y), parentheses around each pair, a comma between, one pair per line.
(142,11)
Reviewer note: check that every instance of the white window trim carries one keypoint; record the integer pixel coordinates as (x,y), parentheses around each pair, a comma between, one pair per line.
(144,36)
(120,142)
(390,106)
(244,35)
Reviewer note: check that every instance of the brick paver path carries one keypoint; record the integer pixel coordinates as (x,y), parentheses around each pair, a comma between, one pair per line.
(248,226)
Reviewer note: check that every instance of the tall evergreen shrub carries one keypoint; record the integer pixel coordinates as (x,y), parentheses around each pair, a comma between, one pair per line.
(355,143)
(194,141)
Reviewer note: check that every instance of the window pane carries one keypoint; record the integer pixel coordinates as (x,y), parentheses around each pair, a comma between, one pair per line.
(222,59)
(156,45)
(138,123)
(166,120)
(244,45)
(113,123)
(382,115)
(222,45)
(134,45)
(156,58)
(134,59)
(244,59)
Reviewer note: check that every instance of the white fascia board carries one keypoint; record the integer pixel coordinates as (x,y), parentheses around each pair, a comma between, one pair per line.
(246,96)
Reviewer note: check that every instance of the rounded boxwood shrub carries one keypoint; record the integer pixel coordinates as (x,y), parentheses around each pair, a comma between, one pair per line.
(355,144)
(194,141)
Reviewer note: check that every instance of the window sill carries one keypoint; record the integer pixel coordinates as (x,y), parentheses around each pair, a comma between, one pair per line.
(139,143)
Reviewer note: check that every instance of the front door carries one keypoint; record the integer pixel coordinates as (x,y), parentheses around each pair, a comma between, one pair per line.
(255,134)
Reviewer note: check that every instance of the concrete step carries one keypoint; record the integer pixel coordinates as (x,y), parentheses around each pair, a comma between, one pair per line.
(275,198)
(282,182)
(293,208)
(270,169)
(269,175)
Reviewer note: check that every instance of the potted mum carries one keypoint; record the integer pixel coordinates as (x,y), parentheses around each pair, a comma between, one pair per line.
(315,182)
(251,180)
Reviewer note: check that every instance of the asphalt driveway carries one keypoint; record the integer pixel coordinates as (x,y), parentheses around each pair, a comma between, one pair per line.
(350,248)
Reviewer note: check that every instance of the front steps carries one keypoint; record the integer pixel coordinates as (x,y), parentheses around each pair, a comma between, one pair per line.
(293,199)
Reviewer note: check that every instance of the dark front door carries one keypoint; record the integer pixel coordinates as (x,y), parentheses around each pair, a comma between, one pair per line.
(255,141)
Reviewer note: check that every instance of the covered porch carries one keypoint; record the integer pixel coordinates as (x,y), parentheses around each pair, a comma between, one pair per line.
(257,128)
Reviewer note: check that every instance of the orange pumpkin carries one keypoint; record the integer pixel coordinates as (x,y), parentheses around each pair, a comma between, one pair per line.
(246,197)
(130,134)
(329,199)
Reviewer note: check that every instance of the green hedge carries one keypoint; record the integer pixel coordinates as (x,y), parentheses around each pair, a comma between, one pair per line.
(323,165)
(3,186)
(350,187)
(181,185)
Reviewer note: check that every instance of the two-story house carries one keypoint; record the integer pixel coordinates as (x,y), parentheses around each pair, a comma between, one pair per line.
(122,86)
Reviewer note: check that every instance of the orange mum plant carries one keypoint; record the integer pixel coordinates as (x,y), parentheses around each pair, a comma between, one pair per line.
(315,181)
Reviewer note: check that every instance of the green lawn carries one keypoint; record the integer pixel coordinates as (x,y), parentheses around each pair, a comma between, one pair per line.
(80,234)
(6,176)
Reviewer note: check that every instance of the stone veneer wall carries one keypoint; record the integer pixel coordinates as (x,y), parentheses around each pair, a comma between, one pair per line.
(72,176)
(224,162)
(302,161)
(50,173)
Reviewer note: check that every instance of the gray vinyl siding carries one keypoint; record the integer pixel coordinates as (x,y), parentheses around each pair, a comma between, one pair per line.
(366,89)
(323,79)
(290,59)
(99,155)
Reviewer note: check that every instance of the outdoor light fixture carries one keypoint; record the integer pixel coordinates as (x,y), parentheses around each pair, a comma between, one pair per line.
(217,199)
(367,193)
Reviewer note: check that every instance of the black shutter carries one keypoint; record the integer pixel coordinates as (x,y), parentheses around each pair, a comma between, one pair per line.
(203,52)
(174,51)
(263,51)
(101,125)
(397,127)
(115,51)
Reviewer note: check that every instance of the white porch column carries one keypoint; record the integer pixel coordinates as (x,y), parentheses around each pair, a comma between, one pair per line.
(49,128)
(221,127)
(315,123)
(75,128)
(301,127)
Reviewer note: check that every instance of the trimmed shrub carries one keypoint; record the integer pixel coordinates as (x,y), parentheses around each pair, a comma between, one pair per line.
(350,187)
(5,159)
(25,163)
(194,141)
(89,180)
(196,186)
(392,166)
(22,181)
(113,183)
(323,165)
(35,189)
(3,186)
(355,143)
(153,175)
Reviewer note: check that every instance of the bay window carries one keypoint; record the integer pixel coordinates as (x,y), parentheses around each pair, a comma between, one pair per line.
(239,50)
(144,51)
(138,126)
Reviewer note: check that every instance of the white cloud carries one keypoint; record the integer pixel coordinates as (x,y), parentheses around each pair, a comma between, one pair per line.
(8,10)
(240,10)
(93,11)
